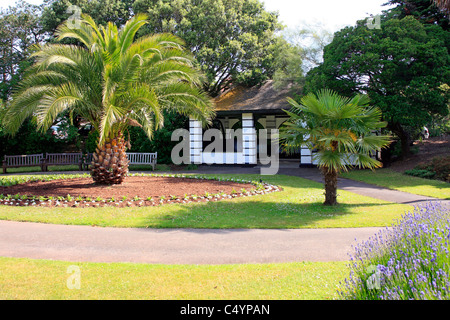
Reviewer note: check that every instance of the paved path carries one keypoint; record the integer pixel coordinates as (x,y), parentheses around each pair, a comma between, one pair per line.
(176,246)
(193,246)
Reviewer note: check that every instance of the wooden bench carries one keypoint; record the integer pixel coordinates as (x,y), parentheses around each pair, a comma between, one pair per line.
(133,158)
(143,158)
(27,160)
(86,161)
(62,159)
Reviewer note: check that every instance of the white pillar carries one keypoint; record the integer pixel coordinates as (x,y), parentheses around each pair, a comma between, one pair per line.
(195,141)
(248,138)
(305,156)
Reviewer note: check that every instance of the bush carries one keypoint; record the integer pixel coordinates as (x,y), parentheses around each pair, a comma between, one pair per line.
(438,168)
(408,261)
(421,173)
(29,141)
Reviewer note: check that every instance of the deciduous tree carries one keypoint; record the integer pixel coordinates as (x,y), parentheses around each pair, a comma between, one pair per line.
(401,66)
(232,40)
(20,28)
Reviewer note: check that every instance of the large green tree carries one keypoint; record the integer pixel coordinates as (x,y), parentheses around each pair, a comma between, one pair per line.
(113,81)
(234,41)
(425,11)
(342,130)
(402,67)
(20,28)
(56,12)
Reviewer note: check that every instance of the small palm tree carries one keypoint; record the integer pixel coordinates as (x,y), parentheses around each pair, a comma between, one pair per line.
(342,130)
(112,81)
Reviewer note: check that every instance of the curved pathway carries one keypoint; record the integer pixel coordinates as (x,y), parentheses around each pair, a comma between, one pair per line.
(176,246)
(195,246)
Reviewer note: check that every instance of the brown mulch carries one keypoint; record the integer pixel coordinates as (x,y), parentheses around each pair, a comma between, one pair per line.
(136,189)
(427,149)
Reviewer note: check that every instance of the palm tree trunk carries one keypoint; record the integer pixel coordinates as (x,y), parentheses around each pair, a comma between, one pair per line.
(330,178)
(110,163)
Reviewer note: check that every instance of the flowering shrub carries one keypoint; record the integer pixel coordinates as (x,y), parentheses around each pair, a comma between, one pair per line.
(410,260)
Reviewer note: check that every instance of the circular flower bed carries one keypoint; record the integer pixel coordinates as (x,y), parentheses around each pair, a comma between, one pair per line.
(137,190)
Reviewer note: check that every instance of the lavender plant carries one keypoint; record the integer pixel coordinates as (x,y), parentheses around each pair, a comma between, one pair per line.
(408,261)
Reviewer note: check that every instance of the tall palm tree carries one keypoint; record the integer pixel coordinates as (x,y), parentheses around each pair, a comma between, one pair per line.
(444,5)
(341,129)
(113,81)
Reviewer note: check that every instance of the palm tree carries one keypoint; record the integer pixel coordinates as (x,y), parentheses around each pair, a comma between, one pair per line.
(112,81)
(444,5)
(342,130)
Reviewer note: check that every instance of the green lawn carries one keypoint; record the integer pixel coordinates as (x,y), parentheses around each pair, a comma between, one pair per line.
(299,205)
(27,279)
(398,181)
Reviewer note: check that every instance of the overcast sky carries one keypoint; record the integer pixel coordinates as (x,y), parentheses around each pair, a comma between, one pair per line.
(332,14)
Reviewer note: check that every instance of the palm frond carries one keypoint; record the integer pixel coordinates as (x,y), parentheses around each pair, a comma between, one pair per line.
(110,122)
(23,106)
(54,102)
(366,161)
(331,160)
(110,78)
(187,100)
(128,32)
(342,129)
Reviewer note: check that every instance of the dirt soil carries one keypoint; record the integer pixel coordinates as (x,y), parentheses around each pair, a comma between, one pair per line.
(428,149)
(136,189)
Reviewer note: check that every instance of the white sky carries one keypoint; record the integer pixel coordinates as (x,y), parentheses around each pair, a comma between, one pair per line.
(332,14)
(7,3)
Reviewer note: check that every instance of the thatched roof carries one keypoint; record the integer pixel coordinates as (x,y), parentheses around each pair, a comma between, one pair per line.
(258,99)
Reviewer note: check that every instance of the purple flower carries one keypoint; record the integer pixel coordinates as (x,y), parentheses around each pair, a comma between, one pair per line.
(411,259)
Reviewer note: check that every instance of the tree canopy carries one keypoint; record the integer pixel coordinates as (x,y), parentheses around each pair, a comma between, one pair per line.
(402,67)
(56,12)
(425,11)
(233,41)
(20,28)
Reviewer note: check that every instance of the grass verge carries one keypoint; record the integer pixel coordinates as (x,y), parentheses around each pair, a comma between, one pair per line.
(27,279)
(299,205)
(397,181)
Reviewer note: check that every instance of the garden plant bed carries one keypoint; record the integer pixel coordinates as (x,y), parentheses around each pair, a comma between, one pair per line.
(136,190)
